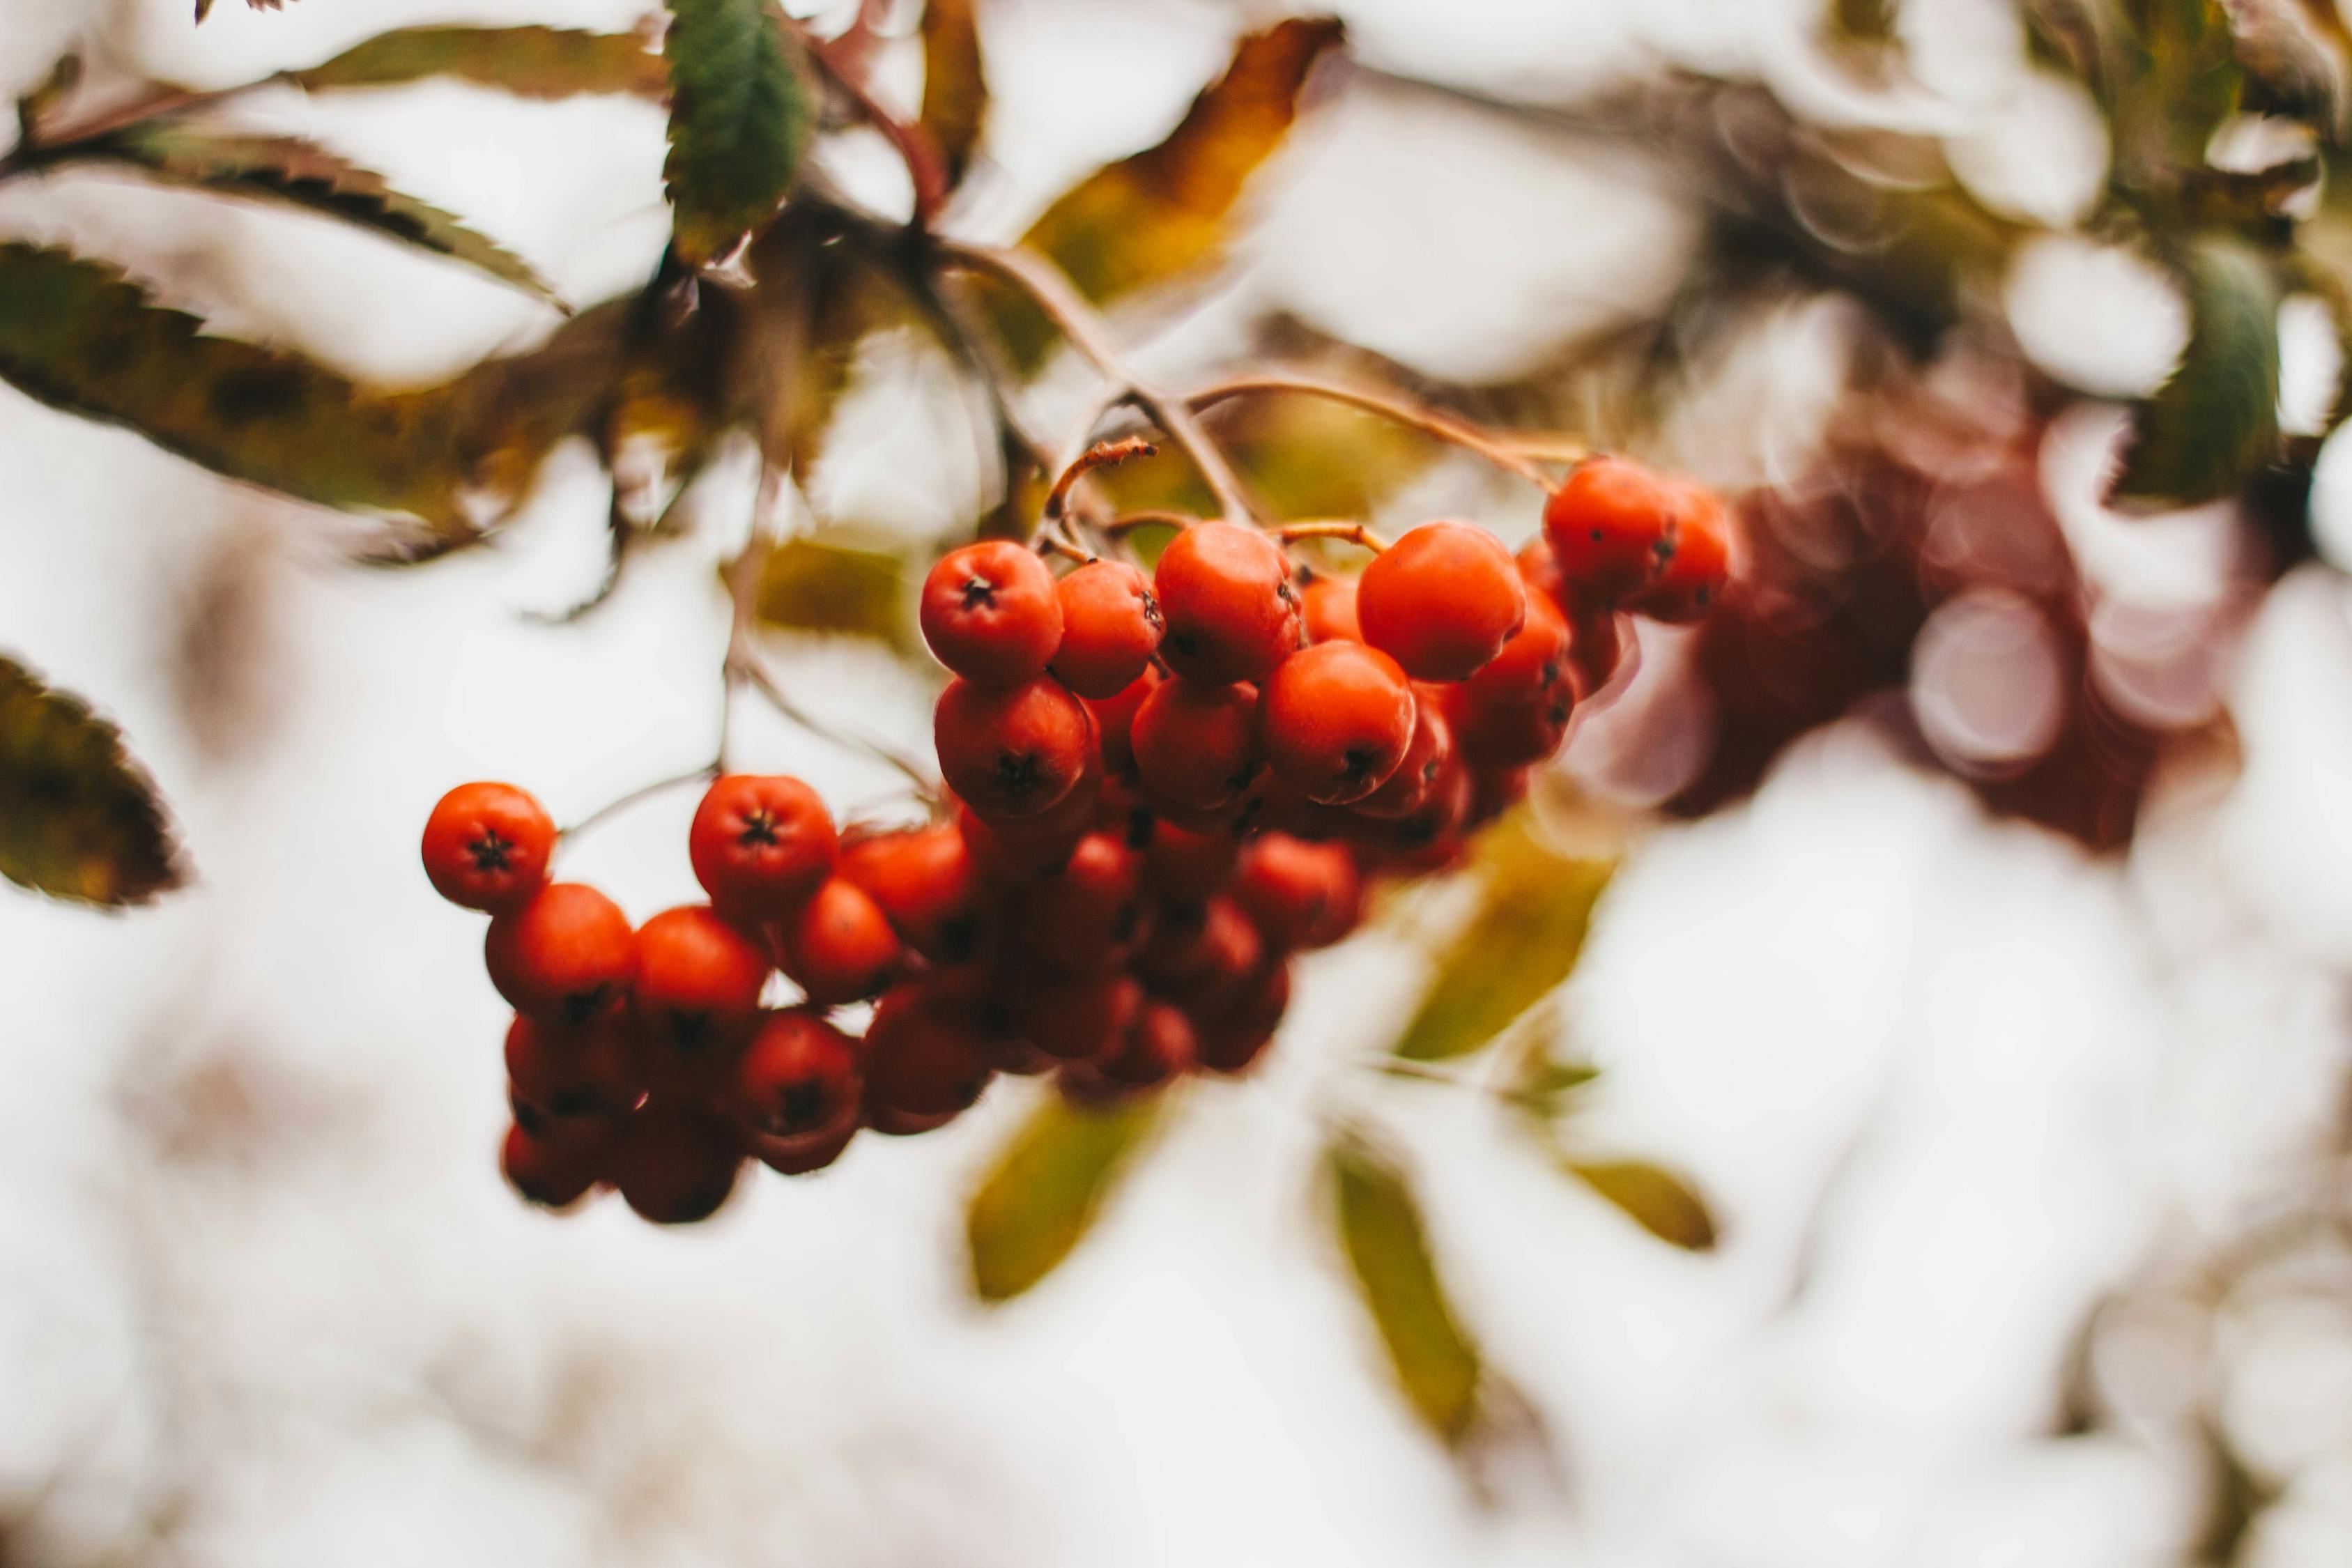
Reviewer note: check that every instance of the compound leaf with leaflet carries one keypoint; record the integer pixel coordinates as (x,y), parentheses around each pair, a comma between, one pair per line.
(742,113)
(528,61)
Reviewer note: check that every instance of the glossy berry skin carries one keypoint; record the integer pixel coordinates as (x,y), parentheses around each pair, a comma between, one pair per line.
(840,947)
(925,882)
(1111,627)
(1424,757)
(697,983)
(676,1163)
(1299,895)
(1441,601)
(990,613)
(1233,1037)
(1328,606)
(1694,576)
(798,1079)
(760,844)
(1158,1047)
(552,1171)
(1012,751)
(1196,742)
(564,1074)
(486,846)
(1114,720)
(1612,524)
(1081,1018)
(925,1055)
(1336,720)
(1539,570)
(566,952)
(1232,610)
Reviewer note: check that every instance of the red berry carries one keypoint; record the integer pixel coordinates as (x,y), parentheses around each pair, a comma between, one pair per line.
(552,1171)
(1441,601)
(1232,611)
(566,952)
(1515,711)
(698,988)
(566,1073)
(1110,628)
(1432,742)
(1191,865)
(1115,722)
(800,1156)
(1196,742)
(925,1055)
(1595,647)
(1157,1049)
(840,947)
(486,846)
(760,844)
(1231,1038)
(924,880)
(798,1079)
(1329,607)
(1079,1019)
(1014,751)
(1539,570)
(1694,574)
(1612,525)
(1017,854)
(1336,720)
(1300,895)
(677,1163)
(1201,961)
(990,613)
(1090,910)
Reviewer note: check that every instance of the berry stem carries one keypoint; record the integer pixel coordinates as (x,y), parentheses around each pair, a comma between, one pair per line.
(1393,406)
(747,670)
(1101,455)
(710,770)
(1148,518)
(1082,325)
(1354,532)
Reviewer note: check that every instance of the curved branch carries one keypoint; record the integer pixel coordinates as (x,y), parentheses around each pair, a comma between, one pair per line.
(1391,405)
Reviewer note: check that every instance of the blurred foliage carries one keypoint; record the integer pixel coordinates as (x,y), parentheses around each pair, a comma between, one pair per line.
(841,582)
(1533,905)
(742,109)
(78,820)
(2214,425)
(1386,1247)
(1167,211)
(955,82)
(528,61)
(1048,1187)
(301,173)
(1652,1197)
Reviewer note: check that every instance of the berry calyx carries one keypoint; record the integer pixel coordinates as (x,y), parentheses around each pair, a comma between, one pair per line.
(990,613)
(698,979)
(1441,601)
(486,846)
(565,953)
(798,1079)
(1336,719)
(760,844)
(1111,627)
(1231,608)
(1694,576)
(1012,751)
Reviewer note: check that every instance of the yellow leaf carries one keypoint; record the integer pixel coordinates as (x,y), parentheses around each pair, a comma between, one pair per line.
(1046,1190)
(1658,1200)
(78,820)
(1387,1245)
(955,82)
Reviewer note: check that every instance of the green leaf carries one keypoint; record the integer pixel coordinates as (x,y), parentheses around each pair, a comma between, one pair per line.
(1165,211)
(1534,907)
(1658,1200)
(78,820)
(2214,424)
(1387,1247)
(955,82)
(742,111)
(1048,1187)
(302,173)
(528,61)
(837,582)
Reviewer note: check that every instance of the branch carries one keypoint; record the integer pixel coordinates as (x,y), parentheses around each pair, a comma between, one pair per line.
(843,62)
(1082,325)
(1353,533)
(1497,450)
(752,673)
(710,770)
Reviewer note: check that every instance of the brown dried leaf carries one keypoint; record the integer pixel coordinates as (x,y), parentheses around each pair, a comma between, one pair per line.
(78,820)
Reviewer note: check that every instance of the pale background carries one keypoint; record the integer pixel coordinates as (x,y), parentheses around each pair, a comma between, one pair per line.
(263,1300)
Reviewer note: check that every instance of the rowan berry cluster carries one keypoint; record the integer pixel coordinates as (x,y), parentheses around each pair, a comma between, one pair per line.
(1161,787)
